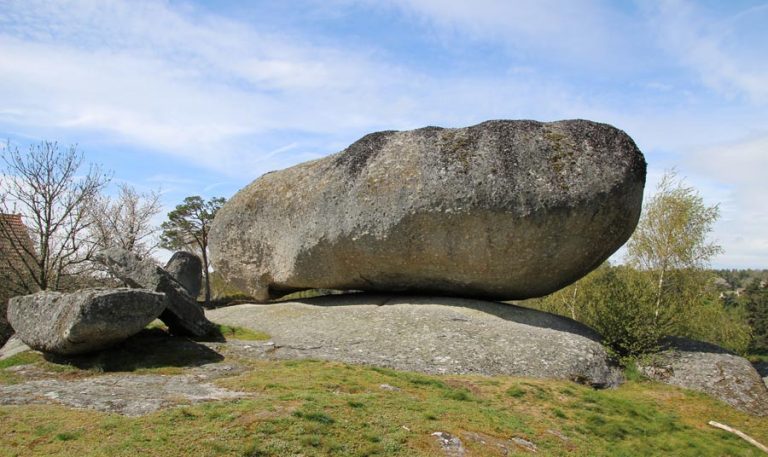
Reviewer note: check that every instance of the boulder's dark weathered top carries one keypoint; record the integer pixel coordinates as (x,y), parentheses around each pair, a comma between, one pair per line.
(182,314)
(187,269)
(711,369)
(502,209)
(83,321)
(443,335)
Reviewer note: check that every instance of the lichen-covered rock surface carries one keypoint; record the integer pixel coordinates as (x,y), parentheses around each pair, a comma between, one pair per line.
(182,314)
(710,369)
(187,269)
(83,321)
(437,335)
(502,209)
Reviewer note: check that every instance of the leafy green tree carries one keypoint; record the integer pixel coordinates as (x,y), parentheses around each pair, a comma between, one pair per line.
(187,229)
(619,303)
(756,308)
(665,288)
(671,236)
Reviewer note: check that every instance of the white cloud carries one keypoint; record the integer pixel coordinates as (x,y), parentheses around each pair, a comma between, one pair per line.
(736,176)
(586,32)
(188,84)
(236,99)
(728,54)
(207,88)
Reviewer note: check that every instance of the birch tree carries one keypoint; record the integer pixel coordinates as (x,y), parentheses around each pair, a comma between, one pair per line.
(672,236)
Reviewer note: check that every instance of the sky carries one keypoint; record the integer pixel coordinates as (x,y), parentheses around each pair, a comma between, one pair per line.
(201,97)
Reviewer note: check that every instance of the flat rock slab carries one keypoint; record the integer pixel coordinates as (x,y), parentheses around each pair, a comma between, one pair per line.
(107,382)
(439,336)
(131,395)
(83,321)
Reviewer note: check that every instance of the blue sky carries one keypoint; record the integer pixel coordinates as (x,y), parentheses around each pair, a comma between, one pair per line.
(203,97)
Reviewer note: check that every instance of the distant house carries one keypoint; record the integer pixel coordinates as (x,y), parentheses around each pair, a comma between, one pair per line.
(15,245)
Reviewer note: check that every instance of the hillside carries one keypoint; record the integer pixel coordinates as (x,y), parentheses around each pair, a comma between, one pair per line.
(316,408)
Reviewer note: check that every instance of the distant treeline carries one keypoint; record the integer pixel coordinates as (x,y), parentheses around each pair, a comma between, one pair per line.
(738,279)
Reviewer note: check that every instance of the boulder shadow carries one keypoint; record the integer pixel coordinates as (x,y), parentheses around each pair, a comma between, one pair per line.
(148,349)
(762,368)
(506,311)
(678,343)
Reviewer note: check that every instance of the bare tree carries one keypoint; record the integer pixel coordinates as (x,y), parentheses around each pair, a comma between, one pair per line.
(43,185)
(126,220)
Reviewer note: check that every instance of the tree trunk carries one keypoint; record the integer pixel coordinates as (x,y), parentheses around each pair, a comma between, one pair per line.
(658,296)
(573,302)
(207,279)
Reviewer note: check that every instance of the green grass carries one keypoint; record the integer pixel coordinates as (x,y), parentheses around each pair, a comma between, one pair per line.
(755,357)
(314,408)
(240,333)
(227,331)
(23,358)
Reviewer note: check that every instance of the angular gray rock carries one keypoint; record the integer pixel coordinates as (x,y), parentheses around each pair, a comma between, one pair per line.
(437,335)
(183,315)
(83,321)
(187,269)
(13,346)
(710,369)
(502,210)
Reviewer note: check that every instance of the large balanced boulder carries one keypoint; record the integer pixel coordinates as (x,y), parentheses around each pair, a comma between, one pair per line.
(710,369)
(187,269)
(83,321)
(183,315)
(502,209)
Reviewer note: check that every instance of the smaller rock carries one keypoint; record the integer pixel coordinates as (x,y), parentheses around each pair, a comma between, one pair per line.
(183,315)
(525,444)
(451,445)
(187,269)
(389,388)
(12,347)
(84,321)
(559,434)
(710,369)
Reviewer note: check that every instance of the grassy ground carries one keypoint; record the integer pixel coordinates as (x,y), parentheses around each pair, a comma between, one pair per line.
(755,357)
(312,408)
